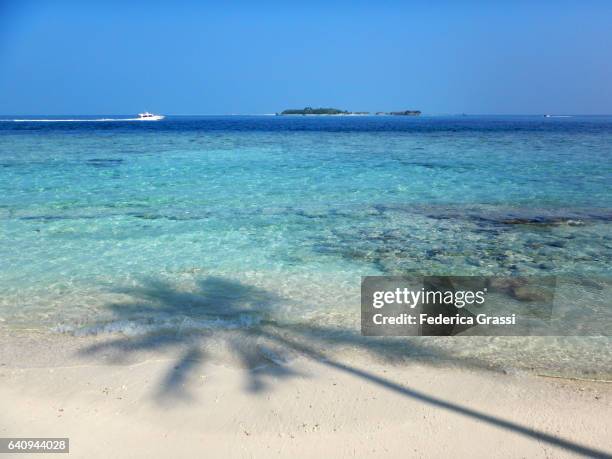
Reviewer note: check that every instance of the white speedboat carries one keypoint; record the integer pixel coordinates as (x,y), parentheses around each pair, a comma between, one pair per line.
(146,116)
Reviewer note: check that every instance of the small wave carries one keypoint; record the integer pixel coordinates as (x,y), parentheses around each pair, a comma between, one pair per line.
(171,324)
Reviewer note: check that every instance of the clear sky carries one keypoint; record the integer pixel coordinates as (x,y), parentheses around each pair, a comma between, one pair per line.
(173,57)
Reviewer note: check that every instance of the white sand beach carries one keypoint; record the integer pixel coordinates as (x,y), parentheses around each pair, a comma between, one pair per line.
(165,405)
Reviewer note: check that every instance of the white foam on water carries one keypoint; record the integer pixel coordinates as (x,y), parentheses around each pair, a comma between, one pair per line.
(177,325)
(76,120)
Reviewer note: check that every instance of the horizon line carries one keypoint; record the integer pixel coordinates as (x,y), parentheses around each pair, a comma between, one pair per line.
(298,115)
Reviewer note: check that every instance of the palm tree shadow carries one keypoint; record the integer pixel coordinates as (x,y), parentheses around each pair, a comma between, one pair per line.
(185,322)
(243,317)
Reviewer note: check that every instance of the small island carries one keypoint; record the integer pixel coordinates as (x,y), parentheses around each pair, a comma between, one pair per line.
(336,111)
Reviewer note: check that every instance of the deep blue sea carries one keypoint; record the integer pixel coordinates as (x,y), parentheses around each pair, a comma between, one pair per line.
(129,226)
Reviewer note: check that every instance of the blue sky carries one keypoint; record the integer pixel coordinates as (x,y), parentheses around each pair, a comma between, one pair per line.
(103,57)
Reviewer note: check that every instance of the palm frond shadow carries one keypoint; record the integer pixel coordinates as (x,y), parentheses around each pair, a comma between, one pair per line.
(243,318)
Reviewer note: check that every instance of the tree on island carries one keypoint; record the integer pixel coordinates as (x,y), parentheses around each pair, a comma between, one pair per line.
(407,113)
(313,111)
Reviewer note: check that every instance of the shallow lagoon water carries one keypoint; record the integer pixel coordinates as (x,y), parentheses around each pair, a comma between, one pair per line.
(231,223)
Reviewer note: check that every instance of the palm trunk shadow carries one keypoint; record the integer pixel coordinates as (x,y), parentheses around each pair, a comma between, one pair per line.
(450,406)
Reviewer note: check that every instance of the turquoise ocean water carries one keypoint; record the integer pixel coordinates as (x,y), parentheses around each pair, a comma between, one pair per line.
(215,222)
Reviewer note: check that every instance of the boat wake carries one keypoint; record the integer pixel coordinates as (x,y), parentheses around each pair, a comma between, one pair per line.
(96,120)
